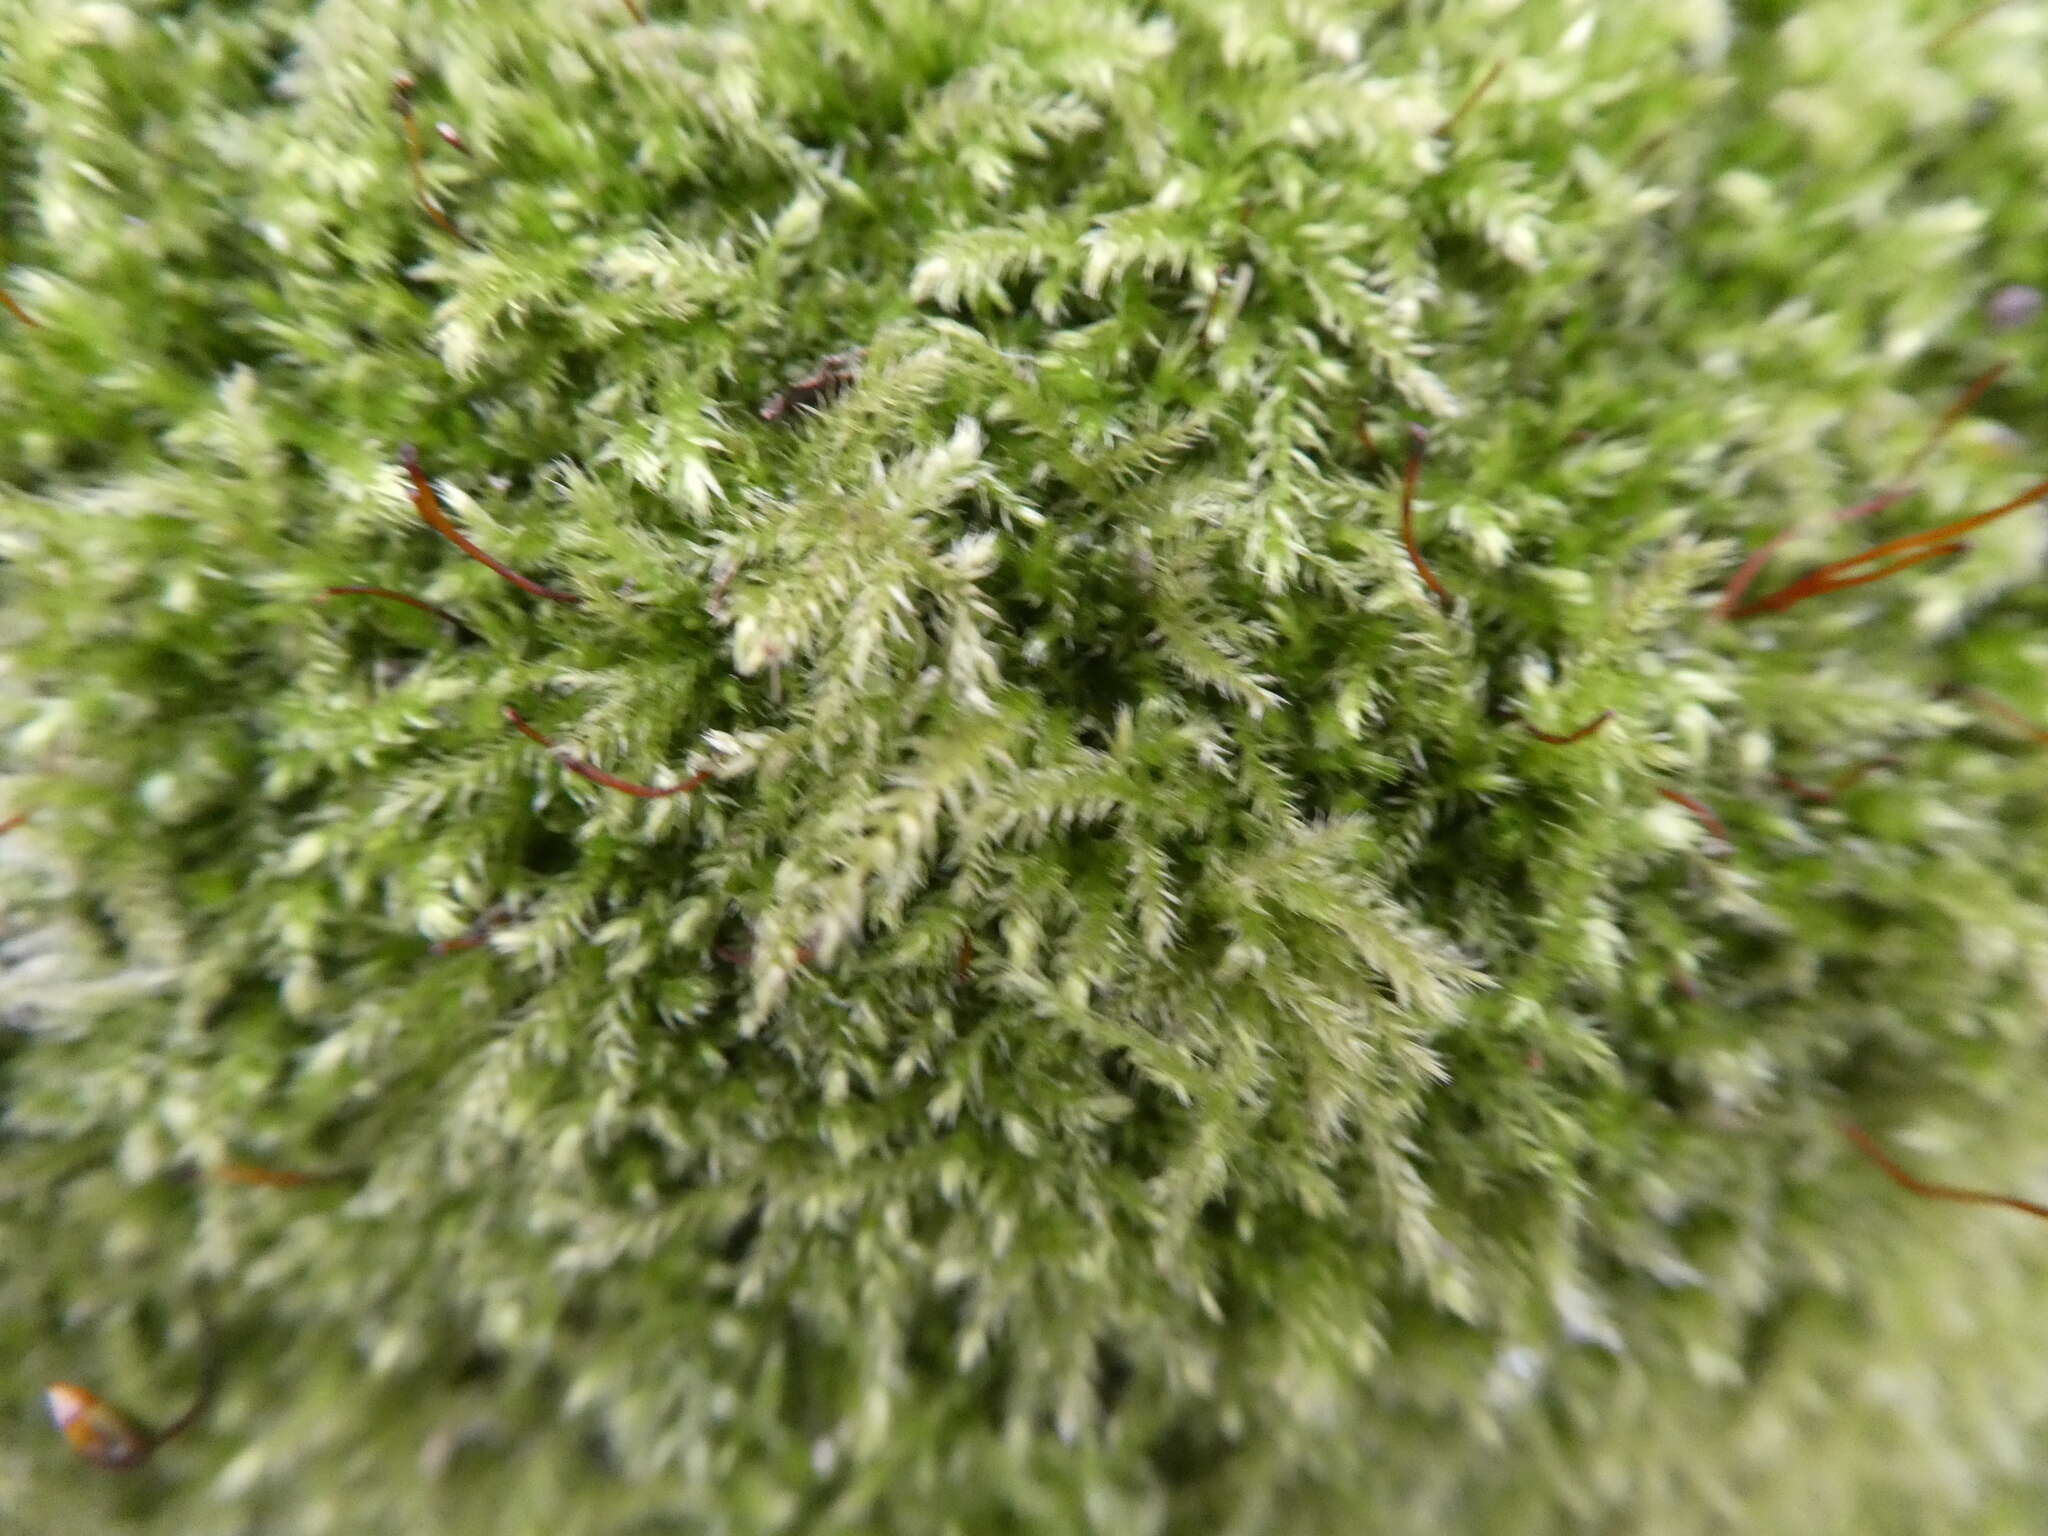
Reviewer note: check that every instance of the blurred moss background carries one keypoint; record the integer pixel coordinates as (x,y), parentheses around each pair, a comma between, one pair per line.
(1135,1033)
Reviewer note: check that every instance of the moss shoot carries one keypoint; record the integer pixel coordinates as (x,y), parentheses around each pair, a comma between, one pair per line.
(1076,939)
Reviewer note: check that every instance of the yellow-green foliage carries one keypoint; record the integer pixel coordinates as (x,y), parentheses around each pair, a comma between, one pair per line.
(1136,1034)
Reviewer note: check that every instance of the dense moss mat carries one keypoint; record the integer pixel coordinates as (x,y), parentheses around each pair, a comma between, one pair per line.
(1135,1035)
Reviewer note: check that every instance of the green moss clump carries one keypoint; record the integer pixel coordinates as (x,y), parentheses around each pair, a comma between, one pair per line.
(1136,1034)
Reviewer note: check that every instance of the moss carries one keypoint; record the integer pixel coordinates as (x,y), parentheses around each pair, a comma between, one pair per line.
(1136,1032)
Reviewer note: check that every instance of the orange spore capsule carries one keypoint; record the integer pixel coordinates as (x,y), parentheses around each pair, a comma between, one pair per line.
(99,1432)
(105,1436)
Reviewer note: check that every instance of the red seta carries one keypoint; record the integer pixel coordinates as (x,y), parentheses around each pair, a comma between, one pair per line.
(596,775)
(1867,1145)
(429,506)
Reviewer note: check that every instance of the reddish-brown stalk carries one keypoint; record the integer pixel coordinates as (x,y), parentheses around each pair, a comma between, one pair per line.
(475,934)
(19,818)
(268,1178)
(1471,99)
(1580,734)
(1365,440)
(429,506)
(716,602)
(1647,148)
(732,955)
(1974,391)
(596,775)
(1971,393)
(1886,559)
(964,961)
(2011,716)
(816,389)
(1706,817)
(639,15)
(1218,287)
(395,597)
(17,311)
(1418,444)
(1812,793)
(209,1383)
(1732,594)
(1778,601)
(1840,784)
(401,100)
(1906,1181)
(1963,23)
